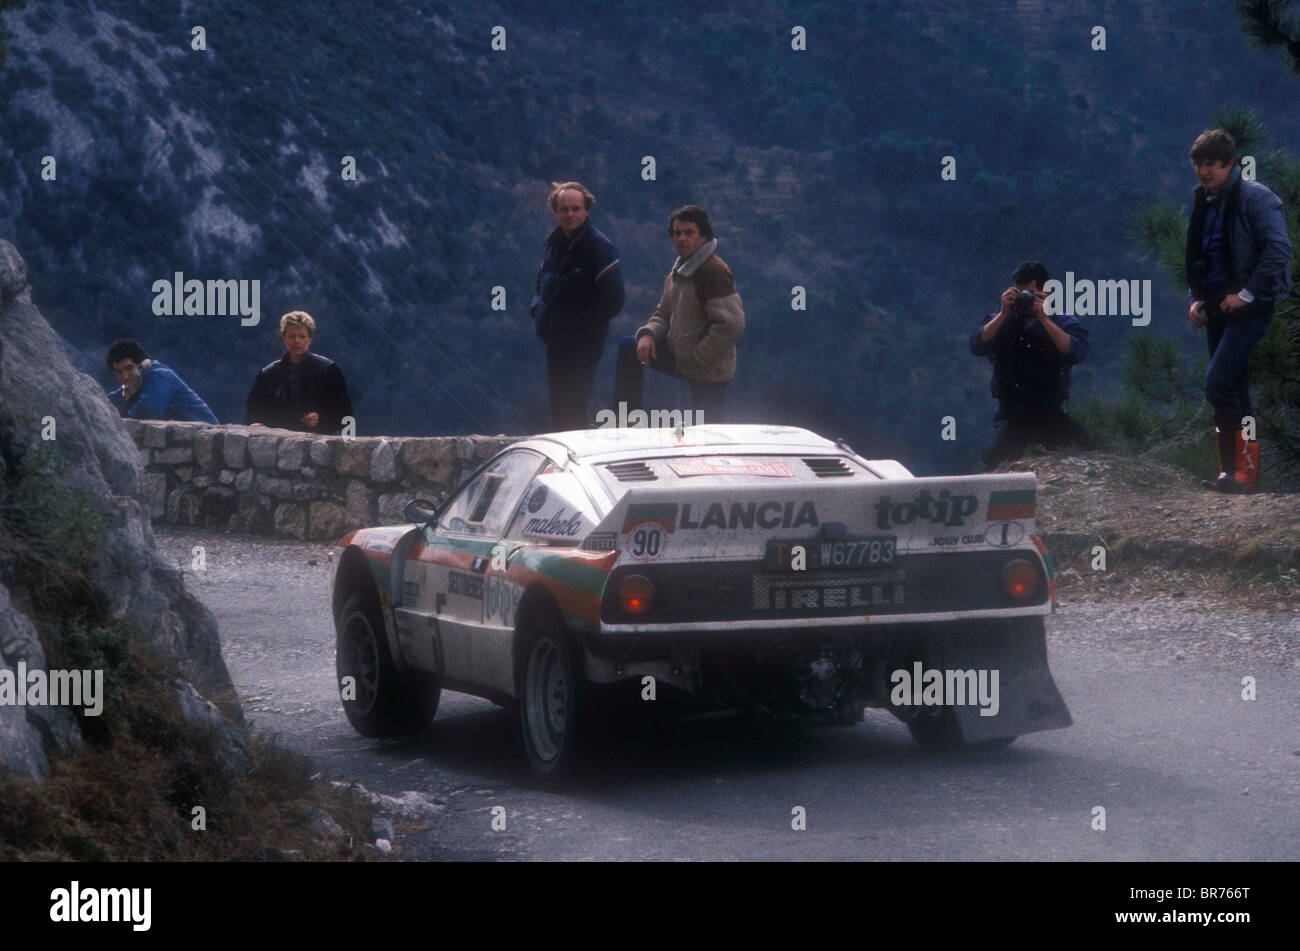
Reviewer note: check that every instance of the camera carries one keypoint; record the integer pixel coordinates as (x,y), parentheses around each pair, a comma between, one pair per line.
(1023,311)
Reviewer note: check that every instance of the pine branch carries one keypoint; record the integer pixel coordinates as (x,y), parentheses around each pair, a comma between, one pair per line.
(1269,25)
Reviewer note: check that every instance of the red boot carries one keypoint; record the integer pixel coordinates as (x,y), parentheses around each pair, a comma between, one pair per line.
(1232,477)
(1247,460)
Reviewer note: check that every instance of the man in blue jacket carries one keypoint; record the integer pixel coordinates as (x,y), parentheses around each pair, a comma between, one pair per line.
(1238,265)
(150,390)
(579,290)
(1032,354)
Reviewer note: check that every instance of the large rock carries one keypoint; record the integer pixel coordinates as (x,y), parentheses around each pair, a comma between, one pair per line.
(153,490)
(96,462)
(262,450)
(206,453)
(361,505)
(383,464)
(21,748)
(431,459)
(325,520)
(233,444)
(291,454)
(352,457)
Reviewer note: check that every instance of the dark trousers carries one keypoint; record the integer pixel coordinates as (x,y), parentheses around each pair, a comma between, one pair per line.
(709,399)
(1021,428)
(1232,337)
(570,372)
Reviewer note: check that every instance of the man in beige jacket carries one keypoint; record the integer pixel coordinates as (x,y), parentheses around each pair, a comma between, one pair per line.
(693,332)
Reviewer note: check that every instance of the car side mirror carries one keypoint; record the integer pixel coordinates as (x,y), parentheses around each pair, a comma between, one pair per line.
(421,510)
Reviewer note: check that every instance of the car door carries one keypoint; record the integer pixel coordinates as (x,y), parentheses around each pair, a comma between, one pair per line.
(445,589)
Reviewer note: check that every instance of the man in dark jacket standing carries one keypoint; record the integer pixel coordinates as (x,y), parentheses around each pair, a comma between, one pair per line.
(1238,265)
(302,391)
(1032,353)
(579,290)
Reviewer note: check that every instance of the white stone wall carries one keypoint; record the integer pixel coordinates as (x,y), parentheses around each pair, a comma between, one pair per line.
(277,482)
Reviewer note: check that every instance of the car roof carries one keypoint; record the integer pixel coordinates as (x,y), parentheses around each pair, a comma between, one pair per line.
(599,445)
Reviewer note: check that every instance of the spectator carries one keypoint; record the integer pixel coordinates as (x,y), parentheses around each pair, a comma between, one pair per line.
(693,332)
(1238,264)
(1032,354)
(579,290)
(301,391)
(151,390)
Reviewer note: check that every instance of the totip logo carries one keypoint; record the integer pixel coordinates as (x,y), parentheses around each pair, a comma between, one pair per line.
(943,509)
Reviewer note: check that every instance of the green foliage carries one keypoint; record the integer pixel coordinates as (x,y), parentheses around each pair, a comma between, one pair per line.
(1269,25)
(1161,230)
(51,533)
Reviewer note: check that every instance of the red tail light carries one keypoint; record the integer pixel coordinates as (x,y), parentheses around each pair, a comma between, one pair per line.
(636,594)
(1020,579)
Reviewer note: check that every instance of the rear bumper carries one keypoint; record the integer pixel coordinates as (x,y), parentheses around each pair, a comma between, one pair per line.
(838,670)
(813,624)
(748,595)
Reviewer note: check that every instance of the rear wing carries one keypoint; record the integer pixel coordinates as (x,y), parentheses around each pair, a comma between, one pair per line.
(705,522)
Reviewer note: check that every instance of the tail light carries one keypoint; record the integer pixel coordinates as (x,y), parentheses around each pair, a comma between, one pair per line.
(636,594)
(1020,579)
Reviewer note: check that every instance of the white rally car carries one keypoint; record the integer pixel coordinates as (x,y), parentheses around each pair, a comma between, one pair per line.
(755,567)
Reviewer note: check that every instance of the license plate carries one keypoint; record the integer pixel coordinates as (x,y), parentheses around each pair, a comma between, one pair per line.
(820,555)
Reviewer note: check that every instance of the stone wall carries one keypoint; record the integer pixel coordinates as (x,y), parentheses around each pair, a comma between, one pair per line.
(278,482)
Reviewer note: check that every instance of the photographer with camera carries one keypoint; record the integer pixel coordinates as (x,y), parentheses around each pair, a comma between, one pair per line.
(1031,353)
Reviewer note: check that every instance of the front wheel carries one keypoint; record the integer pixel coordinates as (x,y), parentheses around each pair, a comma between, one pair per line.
(376,701)
(551,698)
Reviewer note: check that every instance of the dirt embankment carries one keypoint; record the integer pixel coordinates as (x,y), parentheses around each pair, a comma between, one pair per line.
(1158,528)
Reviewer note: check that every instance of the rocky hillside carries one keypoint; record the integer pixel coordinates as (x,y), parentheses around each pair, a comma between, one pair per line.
(820,167)
(78,556)
(1147,513)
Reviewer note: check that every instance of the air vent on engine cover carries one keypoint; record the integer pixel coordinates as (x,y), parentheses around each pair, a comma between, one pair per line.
(828,468)
(632,472)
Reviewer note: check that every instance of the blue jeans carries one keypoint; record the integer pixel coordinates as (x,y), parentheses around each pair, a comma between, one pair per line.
(1231,338)
(629,381)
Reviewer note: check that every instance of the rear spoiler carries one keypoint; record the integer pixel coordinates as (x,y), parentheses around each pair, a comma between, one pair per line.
(721,516)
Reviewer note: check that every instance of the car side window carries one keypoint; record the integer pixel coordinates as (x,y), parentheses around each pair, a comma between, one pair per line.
(555,510)
(483,507)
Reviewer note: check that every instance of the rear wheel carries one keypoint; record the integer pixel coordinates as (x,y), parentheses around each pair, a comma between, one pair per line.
(552,697)
(934,728)
(376,701)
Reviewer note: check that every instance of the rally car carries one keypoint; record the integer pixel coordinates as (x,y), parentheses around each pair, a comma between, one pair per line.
(761,568)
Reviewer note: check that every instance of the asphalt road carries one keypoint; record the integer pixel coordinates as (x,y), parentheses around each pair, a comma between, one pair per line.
(1183,766)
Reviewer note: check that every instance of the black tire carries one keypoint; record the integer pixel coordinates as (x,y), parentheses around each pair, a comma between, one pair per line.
(384,706)
(552,697)
(934,729)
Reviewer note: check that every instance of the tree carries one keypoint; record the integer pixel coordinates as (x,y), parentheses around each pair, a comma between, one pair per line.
(1270,24)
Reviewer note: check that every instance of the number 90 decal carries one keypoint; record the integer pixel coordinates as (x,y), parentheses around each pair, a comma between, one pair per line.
(646,541)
